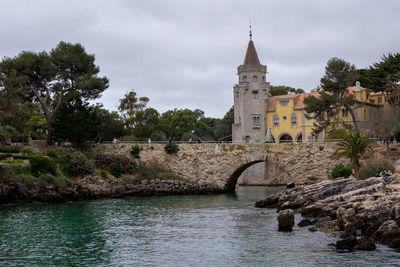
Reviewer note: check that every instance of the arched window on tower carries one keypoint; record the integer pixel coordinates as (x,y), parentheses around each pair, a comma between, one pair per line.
(276,120)
(254,78)
(256,121)
(244,78)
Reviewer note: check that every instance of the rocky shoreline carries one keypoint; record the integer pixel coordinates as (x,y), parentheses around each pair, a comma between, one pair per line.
(360,212)
(15,191)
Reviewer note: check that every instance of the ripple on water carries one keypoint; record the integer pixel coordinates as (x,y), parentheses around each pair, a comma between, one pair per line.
(220,230)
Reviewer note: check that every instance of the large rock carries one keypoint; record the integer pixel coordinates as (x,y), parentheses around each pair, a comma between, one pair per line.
(286,220)
(365,243)
(347,243)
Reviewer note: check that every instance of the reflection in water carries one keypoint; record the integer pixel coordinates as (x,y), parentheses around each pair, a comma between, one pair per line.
(218,230)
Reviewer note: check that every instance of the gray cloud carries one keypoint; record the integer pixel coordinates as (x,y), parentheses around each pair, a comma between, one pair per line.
(184,54)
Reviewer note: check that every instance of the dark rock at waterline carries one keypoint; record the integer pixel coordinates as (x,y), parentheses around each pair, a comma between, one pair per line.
(290,185)
(305,222)
(14,190)
(366,244)
(347,243)
(356,207)
(286,220)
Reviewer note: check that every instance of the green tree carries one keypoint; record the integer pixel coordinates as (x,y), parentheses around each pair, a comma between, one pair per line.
(148,124)
(339,75)
(112,125)
(133,109)
(77,123)
(177,122)
(64,74)
(353,146)
(16,104)
(284,90)
(36,126)
(223,127)
(384,76)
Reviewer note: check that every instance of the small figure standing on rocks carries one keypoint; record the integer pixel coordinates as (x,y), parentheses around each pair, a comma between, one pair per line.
(149,141)
(388,173)
(170,140)
(198,141)
(190,140)
(114,140)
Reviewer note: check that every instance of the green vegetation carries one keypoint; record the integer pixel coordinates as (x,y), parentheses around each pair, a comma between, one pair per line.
(284,90)
(15,161)
(341,171)
(42,165)
(135,150)
(153,170)
(10,149)
(115,164)
(373,168)
(339,75)
(353,146)
(75,164)
(30,151)
(171,148)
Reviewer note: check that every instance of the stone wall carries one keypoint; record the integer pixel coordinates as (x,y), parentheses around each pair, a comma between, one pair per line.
(222,164)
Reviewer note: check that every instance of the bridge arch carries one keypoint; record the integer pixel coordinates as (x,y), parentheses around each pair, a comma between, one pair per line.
(232,180)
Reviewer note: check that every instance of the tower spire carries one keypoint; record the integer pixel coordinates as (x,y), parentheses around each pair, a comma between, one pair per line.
(250,34)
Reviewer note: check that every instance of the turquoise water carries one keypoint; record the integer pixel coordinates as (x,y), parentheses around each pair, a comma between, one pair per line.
(216,230)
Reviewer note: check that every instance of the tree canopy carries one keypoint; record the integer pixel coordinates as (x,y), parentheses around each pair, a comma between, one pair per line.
(284,90)
(384,76)
(334,97)
(64,74)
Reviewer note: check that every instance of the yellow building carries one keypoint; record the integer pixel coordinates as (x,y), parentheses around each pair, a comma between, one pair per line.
(286,118)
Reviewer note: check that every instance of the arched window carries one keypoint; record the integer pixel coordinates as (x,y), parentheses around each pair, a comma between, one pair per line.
(244,78)
(275,120)
(254,78)
(293,119)
(256,121)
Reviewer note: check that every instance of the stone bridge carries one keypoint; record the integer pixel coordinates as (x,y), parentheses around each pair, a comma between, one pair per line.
(222,164)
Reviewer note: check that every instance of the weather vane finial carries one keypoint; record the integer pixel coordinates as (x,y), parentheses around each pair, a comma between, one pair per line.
(250,34)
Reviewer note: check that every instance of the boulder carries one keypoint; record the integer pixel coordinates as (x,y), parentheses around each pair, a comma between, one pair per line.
(305,222)
(365,243)
(347,243)
(286,220)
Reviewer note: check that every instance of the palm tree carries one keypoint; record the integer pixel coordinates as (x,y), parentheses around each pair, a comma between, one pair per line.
(353,146)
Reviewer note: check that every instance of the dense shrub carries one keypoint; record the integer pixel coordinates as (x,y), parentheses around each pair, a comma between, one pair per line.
(171,148)
(116,170)
(51,153)
(337,134)
(135,150)
(116,164)
(30,151)
(341,171)
(75,164)
(3,156)
(104,173)
(48,178)
(10,149)
(153,170)
(42,165)
(373,168)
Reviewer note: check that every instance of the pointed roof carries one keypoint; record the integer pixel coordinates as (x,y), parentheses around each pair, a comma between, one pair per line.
(251,55)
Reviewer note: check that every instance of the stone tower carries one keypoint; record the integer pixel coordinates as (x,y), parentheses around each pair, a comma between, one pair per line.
(250,99)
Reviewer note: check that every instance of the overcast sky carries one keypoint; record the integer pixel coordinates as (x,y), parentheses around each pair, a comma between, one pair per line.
(185,54)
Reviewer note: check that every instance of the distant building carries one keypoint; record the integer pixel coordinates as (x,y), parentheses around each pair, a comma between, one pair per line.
(250,100)
(259,117)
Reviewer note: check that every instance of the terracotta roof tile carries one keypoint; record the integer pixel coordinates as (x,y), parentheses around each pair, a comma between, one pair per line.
(251,55)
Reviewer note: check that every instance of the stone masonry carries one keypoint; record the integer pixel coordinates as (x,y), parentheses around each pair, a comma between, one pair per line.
(222,164)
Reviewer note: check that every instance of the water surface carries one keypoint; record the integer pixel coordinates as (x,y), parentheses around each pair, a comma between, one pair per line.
(215,230)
